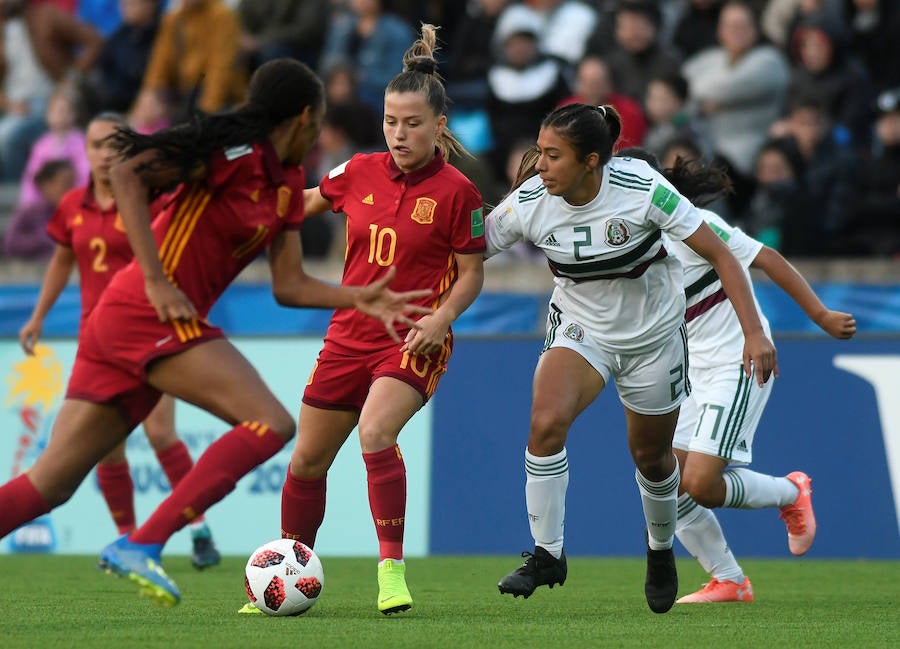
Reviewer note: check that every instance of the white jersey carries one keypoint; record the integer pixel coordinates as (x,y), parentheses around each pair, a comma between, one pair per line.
(715,336)
(612,273)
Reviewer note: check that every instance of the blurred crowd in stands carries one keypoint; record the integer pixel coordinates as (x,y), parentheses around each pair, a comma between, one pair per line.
(798,99)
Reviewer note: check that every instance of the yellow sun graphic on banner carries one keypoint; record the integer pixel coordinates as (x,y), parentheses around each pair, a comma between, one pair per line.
(37,380)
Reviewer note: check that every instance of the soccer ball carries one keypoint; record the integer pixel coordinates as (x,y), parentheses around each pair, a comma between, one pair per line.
(283,577)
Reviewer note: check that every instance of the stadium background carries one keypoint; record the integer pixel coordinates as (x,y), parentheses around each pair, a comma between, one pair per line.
(834,413)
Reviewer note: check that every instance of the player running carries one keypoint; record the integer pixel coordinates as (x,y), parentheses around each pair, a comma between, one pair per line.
(617,311)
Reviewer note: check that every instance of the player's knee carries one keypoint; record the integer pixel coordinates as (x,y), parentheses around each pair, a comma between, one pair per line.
(652,461)
(549,429)
(704,491)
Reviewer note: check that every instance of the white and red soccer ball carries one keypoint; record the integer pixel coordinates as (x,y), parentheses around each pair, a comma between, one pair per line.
(283,577)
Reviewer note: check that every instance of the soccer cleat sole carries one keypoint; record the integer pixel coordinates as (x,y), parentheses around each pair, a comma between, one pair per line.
(399,608)
(146,588)
(505,590)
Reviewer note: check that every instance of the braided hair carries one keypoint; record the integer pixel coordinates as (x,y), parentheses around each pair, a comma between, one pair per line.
(279,89)
(420,75)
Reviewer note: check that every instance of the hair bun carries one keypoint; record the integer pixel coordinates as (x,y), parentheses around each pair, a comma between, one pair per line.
(426,66)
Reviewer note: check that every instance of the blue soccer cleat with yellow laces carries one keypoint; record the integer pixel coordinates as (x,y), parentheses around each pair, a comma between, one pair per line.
(141,563)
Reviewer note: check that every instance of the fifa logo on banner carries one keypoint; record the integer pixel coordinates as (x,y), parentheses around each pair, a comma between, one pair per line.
(34,389)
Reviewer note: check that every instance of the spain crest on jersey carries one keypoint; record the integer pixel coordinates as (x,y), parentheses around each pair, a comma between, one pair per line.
(117,224)
(423,212)
(617,233)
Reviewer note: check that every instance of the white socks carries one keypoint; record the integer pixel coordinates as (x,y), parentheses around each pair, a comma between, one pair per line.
(699,532)
(546,482)
(660,501)
(746,489)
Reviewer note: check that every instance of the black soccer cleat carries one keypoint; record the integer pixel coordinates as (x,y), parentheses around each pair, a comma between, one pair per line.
(539,569)
(661,585)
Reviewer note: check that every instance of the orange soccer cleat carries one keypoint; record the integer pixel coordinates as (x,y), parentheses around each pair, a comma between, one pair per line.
(798,516)
(721,591)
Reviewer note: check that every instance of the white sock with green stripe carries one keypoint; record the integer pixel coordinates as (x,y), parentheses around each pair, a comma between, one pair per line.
(746,489)
(546,482)
(660,501)
(699,531)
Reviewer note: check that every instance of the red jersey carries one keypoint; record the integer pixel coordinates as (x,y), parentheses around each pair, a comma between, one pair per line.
(414,221)
(96,237)
(213,227)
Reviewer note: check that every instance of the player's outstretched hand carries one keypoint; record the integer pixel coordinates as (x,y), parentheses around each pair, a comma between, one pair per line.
(378,301)
(838,324)
(168,300)
(760,357)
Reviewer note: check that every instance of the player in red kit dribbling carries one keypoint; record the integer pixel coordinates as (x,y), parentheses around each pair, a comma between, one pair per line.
(410,209)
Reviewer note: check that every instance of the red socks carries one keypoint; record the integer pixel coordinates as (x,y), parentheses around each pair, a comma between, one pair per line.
(176,462)
(302,508)
(387,499)
(213,477)
(117,488)
(20,503)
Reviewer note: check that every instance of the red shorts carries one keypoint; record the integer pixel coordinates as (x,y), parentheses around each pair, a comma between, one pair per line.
(117,344)
(340,379)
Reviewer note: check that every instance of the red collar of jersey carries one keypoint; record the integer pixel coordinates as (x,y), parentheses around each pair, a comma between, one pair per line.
(417,175)
(89,202)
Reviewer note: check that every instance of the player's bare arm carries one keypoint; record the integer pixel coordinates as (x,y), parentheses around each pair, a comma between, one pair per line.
(782,272)
(55,279)
(314,202)
(132,180)
(433,329)
(758,349)
(293,287)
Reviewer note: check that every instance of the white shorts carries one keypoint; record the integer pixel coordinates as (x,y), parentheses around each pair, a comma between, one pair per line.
(722,413)
(652,382)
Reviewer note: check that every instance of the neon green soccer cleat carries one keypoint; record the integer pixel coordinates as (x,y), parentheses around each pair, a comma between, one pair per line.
(249,609)
(393,595)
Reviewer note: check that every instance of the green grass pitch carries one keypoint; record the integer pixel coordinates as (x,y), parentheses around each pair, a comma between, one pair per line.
(49,602)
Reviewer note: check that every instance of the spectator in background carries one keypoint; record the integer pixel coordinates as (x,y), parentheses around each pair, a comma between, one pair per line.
(668,116)
(42,45)
(271,29)
(778,17)
(825,68)
(738,89)
(115,80)
(372,41)
(638,52)
(107,15)
(344,133)
(779,213)
(594,86)
(26,234)
(696,25)
(523,86)
(470,50)
(874,26)
(195,48)
(564,26)
(64,139)
(874,227)
(831,172)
